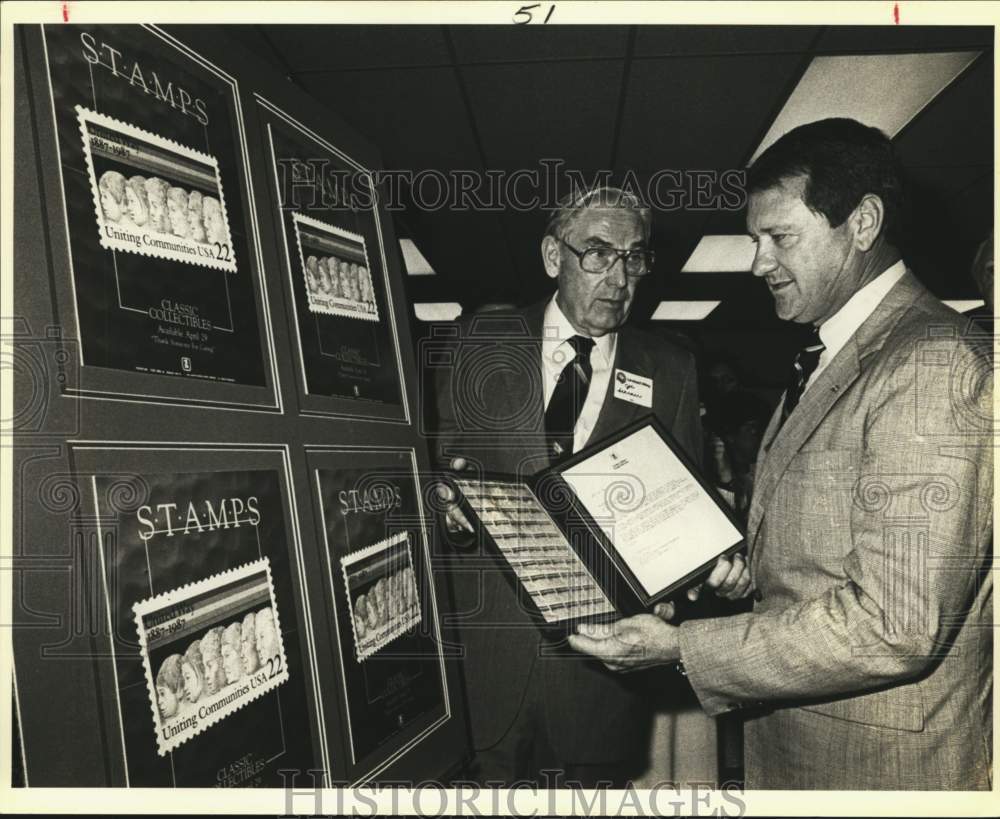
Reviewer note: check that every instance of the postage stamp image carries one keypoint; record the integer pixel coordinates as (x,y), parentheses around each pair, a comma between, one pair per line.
(335,268)
(381,593)
(154,196)
(209,648)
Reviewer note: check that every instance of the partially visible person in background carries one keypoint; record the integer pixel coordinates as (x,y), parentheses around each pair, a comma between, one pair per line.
(982,275)
(739,422)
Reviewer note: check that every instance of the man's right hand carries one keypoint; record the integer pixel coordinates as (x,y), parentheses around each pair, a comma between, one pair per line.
(455,520)
(730,579)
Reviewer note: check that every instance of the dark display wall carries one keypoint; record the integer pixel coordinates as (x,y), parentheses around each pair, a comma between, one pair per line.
(222,542)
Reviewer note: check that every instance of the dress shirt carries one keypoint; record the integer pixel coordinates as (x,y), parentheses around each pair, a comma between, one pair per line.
(836,330)
(557,353)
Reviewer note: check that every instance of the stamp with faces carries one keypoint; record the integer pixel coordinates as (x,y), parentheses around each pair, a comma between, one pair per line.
(335,270)
(208,649)
(154,196)
(381,593)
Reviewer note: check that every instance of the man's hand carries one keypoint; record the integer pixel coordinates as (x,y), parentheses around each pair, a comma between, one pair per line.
(730,579)
(454,519)
(632,644)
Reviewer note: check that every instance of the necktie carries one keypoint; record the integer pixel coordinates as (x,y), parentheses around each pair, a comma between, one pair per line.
(568,397)
(804,366)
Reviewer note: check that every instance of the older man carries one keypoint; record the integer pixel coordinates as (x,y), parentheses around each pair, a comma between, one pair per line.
(867,658)
(527,388)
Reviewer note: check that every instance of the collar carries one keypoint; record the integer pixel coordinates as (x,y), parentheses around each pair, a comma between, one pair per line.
(556,329)
(836,330)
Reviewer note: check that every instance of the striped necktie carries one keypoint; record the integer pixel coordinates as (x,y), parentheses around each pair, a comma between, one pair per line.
(568,398)
(804,366)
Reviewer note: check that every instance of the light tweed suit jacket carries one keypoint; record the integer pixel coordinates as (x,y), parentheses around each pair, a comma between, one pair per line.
(867,663)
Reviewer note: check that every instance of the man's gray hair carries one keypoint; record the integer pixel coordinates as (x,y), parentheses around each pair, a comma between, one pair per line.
(602,196)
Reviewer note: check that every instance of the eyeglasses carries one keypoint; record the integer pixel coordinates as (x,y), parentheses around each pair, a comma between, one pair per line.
(600,259)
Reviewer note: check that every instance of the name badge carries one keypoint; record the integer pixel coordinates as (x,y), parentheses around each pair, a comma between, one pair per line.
(634,388)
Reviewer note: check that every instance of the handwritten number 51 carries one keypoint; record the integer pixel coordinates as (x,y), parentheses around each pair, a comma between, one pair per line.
(524,15)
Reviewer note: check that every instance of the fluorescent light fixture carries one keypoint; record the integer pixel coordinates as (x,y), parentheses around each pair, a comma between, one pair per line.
(883,90)
(683,310)
(721,254)
(416,264)
(437,310)
(964,305)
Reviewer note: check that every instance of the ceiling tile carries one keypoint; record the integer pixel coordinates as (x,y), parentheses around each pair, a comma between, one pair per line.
(327,47)
(252,38)
(667,125)
(531,43)
(664,41)
(415,116)
(560,111)
(956,128)
(467,249)
(877,39)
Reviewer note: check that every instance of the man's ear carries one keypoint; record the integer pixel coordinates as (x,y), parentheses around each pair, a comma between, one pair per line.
(551,255)
(868,219)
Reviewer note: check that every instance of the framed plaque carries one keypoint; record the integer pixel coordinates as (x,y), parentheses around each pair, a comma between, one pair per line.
(211,663)
(336,280)
(610,531)
(158,268)
(387,633)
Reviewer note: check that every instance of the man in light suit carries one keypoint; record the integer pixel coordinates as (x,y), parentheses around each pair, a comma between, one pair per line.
(533,707)
(866,662)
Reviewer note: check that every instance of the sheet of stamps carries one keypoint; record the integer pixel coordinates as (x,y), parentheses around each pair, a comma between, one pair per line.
(335,268)
(547,566)
(209,648)
(381,593)
(154,196)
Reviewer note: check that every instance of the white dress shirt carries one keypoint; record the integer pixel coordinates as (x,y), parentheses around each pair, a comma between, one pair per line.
(557,353)
(837,330)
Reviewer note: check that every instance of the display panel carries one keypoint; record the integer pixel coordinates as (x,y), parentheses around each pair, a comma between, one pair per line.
(336,282)
(159,230)
(386,618)
(208,651)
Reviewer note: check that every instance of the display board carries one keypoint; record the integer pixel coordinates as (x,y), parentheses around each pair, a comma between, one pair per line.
(334,263)
(378,577)
(162,273)
(224,571)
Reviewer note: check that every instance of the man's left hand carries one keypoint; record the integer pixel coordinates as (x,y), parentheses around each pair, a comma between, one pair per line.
(631,644)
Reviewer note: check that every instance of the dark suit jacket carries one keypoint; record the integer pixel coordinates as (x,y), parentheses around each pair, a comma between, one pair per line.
(490,408)
(869,531)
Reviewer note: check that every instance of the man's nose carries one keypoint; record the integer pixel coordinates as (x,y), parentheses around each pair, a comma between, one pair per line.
(763,260)
(615,274)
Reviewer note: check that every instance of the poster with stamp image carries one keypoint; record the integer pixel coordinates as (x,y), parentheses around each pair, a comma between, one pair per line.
(336,274)
(158,226)
(381,593)
(390,650)
(209,649)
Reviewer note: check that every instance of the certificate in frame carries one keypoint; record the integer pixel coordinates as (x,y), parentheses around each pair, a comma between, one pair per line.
(622,525)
